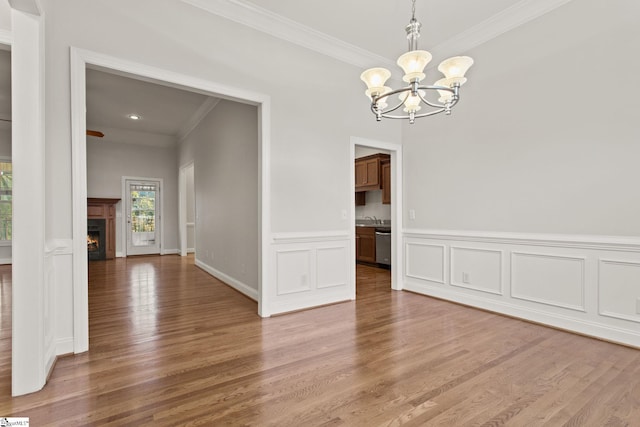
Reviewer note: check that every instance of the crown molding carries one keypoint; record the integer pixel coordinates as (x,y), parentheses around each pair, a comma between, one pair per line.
(500,23)
(278,26)
(204,109)
(28,6)
(261,19)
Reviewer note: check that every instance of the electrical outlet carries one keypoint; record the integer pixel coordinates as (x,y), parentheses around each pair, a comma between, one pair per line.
(303,280)
(412,214)
(638,306)
(465,277)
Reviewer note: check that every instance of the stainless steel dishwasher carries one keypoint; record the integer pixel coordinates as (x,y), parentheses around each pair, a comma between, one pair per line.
(383,246)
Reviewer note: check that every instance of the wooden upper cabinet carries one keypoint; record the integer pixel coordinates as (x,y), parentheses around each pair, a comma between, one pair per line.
(386,182)
(369,172)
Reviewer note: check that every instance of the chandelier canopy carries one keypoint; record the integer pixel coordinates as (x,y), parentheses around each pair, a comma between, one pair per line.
(414,96)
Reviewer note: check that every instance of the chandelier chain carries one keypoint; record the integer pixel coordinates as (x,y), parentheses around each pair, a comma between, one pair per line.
(413,10)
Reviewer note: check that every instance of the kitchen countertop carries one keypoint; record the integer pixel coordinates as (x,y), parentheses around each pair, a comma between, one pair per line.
(380,224)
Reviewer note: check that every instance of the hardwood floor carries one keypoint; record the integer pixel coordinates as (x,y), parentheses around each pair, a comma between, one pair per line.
(170,345)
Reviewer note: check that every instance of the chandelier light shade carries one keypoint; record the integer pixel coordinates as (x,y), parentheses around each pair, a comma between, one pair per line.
(414,96)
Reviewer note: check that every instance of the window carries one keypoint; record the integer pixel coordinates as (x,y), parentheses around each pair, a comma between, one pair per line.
(6,184)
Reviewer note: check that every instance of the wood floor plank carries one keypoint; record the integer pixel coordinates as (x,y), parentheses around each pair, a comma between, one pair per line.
(170,345)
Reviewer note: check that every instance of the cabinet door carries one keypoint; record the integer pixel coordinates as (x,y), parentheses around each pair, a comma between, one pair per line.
(373,172)
(368,247)
(367,174)
(386,183)
(361,174)
(366,244)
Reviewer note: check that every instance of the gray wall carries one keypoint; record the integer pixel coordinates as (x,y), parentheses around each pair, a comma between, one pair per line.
(224,149)
(309,140)
(108,162)
(538,144)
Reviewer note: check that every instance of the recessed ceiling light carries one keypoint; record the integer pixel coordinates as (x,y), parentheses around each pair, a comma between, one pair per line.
(134,116)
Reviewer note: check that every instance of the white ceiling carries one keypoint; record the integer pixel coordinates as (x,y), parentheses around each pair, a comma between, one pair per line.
(378,26)
(164,111)
(361,32)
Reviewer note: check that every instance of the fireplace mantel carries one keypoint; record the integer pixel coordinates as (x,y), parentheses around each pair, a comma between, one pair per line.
(102,208)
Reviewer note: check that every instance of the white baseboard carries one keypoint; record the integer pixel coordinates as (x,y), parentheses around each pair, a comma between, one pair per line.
(64,346)
(230,281)
(191,250)
(5,261)
(584,327)
(163,252)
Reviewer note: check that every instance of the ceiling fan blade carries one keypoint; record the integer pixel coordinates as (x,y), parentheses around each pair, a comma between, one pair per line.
(90,132)
(94,133)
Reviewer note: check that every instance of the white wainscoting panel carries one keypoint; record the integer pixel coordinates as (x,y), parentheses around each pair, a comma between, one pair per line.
(478,269)
(59,261)
(332,268)
(619,289)
(293,271)
(311,269)
(548,279)
(48,319)
(586,284)
(425,261)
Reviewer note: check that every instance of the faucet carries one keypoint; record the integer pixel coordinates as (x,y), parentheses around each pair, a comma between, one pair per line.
(374,219)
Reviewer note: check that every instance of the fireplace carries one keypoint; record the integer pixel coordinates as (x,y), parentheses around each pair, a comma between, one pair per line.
(96,239)
(101,222)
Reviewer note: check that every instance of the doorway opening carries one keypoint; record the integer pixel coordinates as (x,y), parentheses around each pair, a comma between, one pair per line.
(80,61)
(377,209)
(187,214)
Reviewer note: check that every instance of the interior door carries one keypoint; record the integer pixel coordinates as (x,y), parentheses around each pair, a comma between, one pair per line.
(143,217)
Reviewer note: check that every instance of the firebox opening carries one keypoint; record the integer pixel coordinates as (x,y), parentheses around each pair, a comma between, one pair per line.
(96,229)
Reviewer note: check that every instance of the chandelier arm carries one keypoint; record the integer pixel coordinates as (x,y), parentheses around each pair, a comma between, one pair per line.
(434,105)
(437,108)
(393,92)
(390,110)
(386,96)
(429,113)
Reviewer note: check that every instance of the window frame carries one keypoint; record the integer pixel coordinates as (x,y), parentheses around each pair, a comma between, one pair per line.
(7,159)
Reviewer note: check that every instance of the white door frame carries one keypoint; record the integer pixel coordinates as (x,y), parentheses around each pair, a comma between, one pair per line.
(397,258)
(79,60)
(125,213)
(182,208)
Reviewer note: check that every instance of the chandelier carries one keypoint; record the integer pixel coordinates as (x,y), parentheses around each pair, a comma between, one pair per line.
(414,96)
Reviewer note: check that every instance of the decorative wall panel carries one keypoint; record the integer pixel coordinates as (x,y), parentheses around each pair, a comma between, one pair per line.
(292,271)
(425,261)
(332,269)
(478,269)
(619,289)
(548,279)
